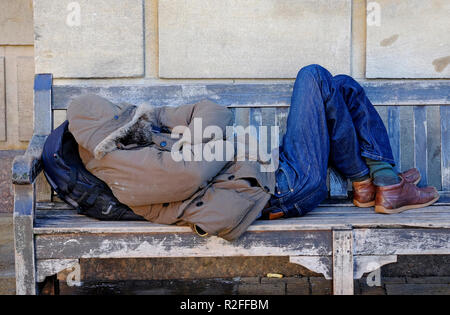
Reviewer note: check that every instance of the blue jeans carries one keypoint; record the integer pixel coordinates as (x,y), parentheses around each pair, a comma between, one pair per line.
(331,122)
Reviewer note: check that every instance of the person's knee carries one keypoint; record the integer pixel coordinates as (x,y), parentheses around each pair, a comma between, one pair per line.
(313,71)
(343,80)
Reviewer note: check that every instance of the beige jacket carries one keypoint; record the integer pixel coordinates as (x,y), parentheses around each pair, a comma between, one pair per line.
(221,197)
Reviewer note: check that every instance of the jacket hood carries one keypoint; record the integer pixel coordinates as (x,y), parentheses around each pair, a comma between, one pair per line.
(90,124)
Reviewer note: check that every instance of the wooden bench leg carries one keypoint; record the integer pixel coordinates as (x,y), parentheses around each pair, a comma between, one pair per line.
(343,262)
(25,259)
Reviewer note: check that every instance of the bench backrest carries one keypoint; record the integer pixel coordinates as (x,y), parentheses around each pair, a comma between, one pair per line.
(416,114)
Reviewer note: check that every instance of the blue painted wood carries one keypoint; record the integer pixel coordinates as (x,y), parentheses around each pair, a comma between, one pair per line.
(394,131)
(420,143)
(281,121)
(268,120)
(445,147)
(241,117)
(389,92)
(43,117)
(434,146)
(43,82)
(406,138)
(256,119)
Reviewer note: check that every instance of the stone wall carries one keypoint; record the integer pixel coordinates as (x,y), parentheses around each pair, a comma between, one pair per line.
(233,39)
(16,74)
(158,41)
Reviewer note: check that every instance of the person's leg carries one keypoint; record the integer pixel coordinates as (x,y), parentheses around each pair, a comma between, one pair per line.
(394,193)
(318,121)
(372,134)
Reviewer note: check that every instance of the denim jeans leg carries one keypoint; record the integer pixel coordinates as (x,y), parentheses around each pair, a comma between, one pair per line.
(331,121)
(372,135)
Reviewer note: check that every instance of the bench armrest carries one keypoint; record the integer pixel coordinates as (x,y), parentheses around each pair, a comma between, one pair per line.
(27,167)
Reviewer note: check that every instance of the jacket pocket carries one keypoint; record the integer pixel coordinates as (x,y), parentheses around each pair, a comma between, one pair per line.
(218,210)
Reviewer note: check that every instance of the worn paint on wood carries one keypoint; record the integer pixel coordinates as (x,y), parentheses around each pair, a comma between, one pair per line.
(386,93)
(24,206)
(317,264)
(402,241)
(50,267)
(343,262)
(445,147)
(43,97)
(406,138)
(434,147)
(420,143)
(394,132)
(287,243)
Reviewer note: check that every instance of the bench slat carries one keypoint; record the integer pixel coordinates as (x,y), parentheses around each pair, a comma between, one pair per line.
(431,217)
(383,92)
(434,146)
(445,147)
(179,244)
(394,131)
(420,143)
(406,138)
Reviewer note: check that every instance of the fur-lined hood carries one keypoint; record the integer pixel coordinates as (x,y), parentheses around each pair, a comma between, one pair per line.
(102,128)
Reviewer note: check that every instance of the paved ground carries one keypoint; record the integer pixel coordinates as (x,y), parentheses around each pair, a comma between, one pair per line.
(261,286)
(7,284)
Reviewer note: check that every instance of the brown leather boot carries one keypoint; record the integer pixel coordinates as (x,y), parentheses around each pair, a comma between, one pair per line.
(411,176)
(364,192)
(403,196)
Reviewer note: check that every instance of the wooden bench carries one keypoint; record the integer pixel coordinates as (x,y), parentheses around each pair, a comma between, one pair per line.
(338,240)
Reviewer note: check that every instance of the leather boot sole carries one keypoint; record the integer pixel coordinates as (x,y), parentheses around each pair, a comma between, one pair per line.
(383,210)
(364,204)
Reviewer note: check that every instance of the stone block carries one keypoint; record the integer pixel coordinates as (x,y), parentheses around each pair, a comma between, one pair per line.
(13,57)
(262,289)
(321,286)
(393,280)
(418,289)
(408,39)
(418,266)
(25,79)
(363,289)
(253,38)
(16,22)
(297,286)
(151,38)
(89,38)
(2,100)
(188,268)
(429,280)
(247,280)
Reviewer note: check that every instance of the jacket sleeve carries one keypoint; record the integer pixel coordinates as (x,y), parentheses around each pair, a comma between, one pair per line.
(150,176)
(211,114)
